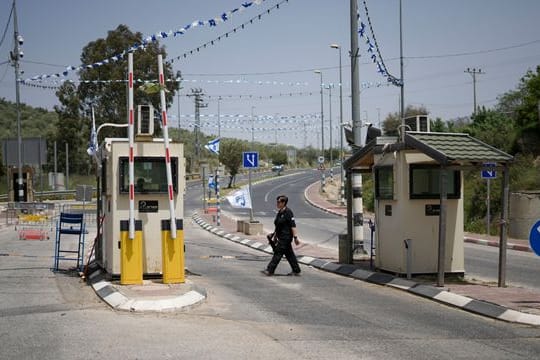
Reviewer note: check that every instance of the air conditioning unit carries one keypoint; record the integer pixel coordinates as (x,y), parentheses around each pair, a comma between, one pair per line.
(145,120)
(419,123)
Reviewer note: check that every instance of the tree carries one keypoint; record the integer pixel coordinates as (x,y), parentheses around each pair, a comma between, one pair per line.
(493,128)
(230,155)
(522,105)
(104,87)
(279,157)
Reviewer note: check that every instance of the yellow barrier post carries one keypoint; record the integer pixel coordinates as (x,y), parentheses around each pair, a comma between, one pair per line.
(172,251)
(131,257)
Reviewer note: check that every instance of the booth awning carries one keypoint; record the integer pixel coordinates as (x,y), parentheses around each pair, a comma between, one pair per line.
(444,148)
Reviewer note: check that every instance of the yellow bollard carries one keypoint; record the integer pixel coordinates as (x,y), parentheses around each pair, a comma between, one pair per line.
(131,254)
(172,251)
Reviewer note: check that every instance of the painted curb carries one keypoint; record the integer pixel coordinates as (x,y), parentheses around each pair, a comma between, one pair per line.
(118,301)
(431,292)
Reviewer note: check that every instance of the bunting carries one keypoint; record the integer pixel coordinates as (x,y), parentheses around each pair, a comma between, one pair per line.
(213,22)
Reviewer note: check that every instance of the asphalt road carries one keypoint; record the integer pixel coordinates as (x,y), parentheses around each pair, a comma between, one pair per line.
(45,315)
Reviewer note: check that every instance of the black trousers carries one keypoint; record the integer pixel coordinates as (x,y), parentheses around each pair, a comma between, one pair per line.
(283,248)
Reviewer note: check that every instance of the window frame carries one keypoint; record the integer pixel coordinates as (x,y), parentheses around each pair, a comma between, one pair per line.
(454,194)
(378,174)
(123,171)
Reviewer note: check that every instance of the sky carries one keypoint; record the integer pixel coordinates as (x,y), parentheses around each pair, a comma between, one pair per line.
(266,69)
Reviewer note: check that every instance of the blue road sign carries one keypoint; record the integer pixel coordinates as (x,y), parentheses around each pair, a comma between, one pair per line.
(489,174)
(534,238)
(250,159)
(489,170)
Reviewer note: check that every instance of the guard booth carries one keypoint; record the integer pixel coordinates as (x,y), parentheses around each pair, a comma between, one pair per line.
(419,227)
(151,199)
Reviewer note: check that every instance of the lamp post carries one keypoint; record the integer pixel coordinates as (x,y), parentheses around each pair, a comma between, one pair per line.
(336,46)
(329,87)
(249,172)
(322,133)
(219,117)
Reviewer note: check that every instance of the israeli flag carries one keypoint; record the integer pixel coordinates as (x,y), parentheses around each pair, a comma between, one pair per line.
(93,145)
(213,146)
(240,199)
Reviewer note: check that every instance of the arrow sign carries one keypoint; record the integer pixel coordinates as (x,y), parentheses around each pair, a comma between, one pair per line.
(489,170)
(250,159)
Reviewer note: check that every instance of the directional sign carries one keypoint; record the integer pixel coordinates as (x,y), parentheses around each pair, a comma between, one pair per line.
(489,174)
(250,159)
(534,238)
(489,171)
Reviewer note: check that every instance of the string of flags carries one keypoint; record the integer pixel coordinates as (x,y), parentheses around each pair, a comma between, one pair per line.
(55,84)
(376,58)
(213,22)
(228,33)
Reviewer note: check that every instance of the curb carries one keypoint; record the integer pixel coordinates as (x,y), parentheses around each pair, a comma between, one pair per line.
(118,301)
(442,296)
(509,246)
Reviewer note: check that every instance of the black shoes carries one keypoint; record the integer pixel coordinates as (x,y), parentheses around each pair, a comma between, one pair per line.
(268,273)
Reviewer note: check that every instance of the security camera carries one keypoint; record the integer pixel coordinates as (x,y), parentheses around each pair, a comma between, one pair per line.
(20,39)
(21,54)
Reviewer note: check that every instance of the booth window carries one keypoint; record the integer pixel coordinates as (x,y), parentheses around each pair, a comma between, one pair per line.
(424,182)
(384,183)
(150,174)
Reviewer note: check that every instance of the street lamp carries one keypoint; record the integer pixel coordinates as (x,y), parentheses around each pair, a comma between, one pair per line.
(336,46)
(219,116)
(322,132)
(249,171)
(329,87)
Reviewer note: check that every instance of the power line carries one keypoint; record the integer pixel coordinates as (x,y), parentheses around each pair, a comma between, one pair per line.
(7,26)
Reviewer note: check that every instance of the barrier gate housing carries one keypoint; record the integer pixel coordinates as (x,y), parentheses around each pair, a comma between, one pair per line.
(151,203)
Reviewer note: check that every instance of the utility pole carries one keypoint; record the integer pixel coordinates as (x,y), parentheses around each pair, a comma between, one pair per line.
(15,56)
(355,79)
(473,73)
(197,94)
(402,80)
(219,116)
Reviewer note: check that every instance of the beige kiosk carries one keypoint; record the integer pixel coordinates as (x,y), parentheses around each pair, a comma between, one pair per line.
(153,251)
(412,234)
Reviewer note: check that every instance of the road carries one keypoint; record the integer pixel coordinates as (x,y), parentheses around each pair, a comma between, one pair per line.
(321,228)
(44,315)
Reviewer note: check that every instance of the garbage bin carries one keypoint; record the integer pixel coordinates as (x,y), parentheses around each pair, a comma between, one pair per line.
(345,249)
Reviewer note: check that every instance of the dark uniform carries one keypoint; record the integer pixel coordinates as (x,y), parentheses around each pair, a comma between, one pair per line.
(284,222)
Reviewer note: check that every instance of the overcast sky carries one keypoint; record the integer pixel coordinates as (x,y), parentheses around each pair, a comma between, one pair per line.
(278,53)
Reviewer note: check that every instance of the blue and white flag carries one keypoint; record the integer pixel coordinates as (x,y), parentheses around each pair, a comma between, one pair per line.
(240,199)
(93,145)
(213,146)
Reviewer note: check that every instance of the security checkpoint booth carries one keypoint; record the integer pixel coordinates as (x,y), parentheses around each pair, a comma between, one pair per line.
(418,191)
(141,185)
(151,200)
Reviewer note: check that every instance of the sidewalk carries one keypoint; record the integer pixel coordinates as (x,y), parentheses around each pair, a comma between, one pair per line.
(513,304)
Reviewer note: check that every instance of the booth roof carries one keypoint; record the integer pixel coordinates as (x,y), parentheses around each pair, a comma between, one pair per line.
(444,148)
